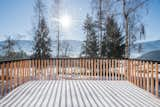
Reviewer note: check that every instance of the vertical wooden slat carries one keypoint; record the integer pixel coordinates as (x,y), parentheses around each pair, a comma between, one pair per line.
(132,71)
(95,69)
(45,69)
(141,74)
(144,75)
(17,72)
(76,68)
(7,71)
(135,72)
(73,67)
(128,70)
(27,70)
(112,69)
(14,74)
(39,67)
(89,68)
(107,69)
(152,78)
(2,77)
(11,67)
(36,69)
(100,69)
(97,66)
(118,69)
(86,68)
(148,80)
(116,73)
(57,69)
(124,69)
(42,69)
(138,73)
(62,68)
(92,67)
(68,67)
(157,81)
(33,69)
(20,73)
(80,67)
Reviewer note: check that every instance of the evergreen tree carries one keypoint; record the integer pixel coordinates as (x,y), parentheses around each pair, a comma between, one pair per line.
(90,45)
(113,41)
(8,48)
(42,42)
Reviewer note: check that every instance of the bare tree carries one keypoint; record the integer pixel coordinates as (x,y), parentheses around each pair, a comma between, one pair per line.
(8,48)
(56,17)
(65,49)
(130,7)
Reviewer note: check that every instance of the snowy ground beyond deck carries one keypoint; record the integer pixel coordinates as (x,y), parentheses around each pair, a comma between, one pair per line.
(79,93)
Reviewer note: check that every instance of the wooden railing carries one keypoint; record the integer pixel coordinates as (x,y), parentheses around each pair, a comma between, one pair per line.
(143,74)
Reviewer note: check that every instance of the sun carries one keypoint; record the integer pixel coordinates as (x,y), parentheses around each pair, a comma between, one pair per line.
(65,21)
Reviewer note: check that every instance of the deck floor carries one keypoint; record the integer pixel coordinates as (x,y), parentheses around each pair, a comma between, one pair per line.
(79,93)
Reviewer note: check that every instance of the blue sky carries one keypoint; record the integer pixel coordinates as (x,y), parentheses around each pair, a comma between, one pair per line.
(16,18)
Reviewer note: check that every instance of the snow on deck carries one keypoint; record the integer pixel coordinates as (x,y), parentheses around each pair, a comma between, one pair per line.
(79,93)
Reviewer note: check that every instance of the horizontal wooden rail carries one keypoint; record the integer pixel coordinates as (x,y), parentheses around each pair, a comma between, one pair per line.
(144,74)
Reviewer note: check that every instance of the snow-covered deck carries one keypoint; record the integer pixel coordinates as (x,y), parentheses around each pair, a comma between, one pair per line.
(79,93)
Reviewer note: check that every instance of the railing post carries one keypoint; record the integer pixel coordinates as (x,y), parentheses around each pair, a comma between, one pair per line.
(132,76)
(144,75)
(92,68)
(86,65)
(106,69)
(11,67)
(80,67)
(115,69)
(148,77)
(57,70)
(152,78)
(39,67)
(95,69)
(7,71)
(100,69)
(157,80)
(118,69)
(33,68)
(2,77)
(62,68)
(135,72)
(141,74)
(128,71)
(112,69)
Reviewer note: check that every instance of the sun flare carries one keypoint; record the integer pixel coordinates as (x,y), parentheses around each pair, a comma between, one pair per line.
(65,20)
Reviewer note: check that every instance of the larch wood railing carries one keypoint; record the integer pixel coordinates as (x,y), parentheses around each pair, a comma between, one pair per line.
(144,74)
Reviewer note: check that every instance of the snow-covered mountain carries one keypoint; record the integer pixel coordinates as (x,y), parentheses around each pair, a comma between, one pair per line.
(75,47)
(147,47)
(26,45)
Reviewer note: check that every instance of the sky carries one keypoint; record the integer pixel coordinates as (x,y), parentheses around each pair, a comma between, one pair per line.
(16,19)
